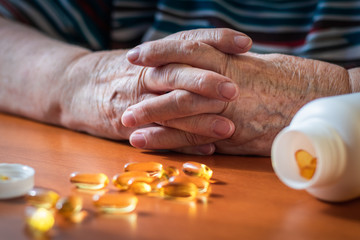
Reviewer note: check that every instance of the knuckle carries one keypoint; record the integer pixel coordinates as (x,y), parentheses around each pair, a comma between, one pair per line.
(202,81)
(183,35)
(167,75)
(183,101)
(189,47)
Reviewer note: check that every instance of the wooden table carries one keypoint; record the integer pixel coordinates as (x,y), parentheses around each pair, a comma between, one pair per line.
(251,203)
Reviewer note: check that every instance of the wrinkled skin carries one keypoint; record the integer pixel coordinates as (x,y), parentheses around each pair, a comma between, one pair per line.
(272,88)
(98,87)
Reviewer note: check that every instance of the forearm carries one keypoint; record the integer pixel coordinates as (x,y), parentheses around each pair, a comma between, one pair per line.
(31,68)
(354,75)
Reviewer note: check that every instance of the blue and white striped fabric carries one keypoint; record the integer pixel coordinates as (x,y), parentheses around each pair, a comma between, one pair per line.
(328,30)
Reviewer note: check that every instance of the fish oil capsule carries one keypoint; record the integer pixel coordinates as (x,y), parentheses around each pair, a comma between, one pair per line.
(154,169)
(197,169)
(39,219)
(179,190)
(42,198)
(71,208)
(89,181)
(171,171)
(4,178)
(121,181)
(306,164)
(140,187)
(201,184)
(114,203)
(157,184)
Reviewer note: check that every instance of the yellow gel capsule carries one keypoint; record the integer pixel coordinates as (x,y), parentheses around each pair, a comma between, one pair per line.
(114,203)
(69,206)
(89,181)
(140,187)
(42,198)
(154,169)
(4,178)
(201,184)
(157,184)
(306,163)
(197,169)
(179,191)
(171,171)
(39,219)
(121,181)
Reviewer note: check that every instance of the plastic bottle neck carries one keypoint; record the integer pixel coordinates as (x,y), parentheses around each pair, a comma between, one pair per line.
(317,138)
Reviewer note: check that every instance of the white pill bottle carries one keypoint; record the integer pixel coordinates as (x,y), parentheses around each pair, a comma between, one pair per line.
(329,129)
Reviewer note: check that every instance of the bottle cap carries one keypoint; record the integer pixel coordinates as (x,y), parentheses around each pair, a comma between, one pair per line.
(15,180)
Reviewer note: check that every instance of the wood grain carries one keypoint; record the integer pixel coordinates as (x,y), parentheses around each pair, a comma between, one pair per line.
(249,202)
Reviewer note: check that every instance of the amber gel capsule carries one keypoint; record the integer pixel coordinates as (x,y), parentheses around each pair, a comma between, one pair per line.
(178,190)
(89,181)
(306,163)
(39,219)
(114,203)
(71,208)
(121,181)
(201,184)
(171,171)
(42,198)
(4,178)
(154,169)
(140,187)
(197,169)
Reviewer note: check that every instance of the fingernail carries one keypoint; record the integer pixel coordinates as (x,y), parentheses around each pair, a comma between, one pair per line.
(138,140)
(133,54)
(128,119)
(221,128)
(228,90)
(242,41)
(206,149)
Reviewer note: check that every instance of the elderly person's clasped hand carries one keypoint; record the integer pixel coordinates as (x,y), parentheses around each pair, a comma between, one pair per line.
(270,90)
(104,84)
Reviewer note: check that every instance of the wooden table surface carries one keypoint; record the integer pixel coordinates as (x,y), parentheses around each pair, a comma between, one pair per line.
(250,202)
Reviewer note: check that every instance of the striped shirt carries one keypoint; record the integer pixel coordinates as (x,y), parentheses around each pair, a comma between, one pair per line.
(327,30)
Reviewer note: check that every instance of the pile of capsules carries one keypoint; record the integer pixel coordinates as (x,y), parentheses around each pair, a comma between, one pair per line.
(145,178)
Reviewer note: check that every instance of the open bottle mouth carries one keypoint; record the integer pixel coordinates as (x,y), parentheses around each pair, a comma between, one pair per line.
(317,139)
(15,180)
(284,161)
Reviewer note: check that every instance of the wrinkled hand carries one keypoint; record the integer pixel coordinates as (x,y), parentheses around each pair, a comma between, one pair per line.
(272,89)
(99,86)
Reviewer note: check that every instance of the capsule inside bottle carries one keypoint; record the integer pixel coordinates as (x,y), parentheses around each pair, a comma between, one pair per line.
(4,178)
(306,163)
(89,181)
